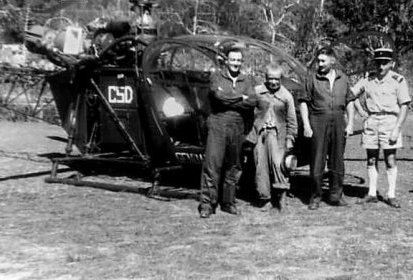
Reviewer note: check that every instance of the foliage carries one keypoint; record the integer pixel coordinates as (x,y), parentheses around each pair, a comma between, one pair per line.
(392,17)
(296,25)
(406,68)
(11,20)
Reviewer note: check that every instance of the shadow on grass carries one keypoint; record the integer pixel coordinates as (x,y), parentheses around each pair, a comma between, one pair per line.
(185,183)
(300,186)
(58,138)
(380,159)
(51,155)
(31,174)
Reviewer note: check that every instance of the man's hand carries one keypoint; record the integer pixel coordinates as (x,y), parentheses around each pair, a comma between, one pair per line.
(308,132)
(349,130)
(364,115)
(394,135)
(289,144)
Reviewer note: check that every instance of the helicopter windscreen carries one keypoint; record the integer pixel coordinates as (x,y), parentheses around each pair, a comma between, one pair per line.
(180,85)
(257,58)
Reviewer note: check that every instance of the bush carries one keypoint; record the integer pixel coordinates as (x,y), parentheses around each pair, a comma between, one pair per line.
(406,69)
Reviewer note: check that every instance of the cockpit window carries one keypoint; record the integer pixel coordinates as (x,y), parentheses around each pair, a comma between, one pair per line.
(256,59)
(183,58)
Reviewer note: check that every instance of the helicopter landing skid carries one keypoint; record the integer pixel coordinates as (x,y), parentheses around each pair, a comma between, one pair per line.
(127,166)
(94,165)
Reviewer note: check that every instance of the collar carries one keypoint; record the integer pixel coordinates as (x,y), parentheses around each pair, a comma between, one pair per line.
(226,75)
(385,78)
(278,93)
(339,73)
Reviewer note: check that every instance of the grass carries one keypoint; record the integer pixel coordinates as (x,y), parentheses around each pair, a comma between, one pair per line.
(51,231)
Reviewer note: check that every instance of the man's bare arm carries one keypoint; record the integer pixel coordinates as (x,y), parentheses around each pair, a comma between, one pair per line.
(308,132)
(400,121)
(350,117)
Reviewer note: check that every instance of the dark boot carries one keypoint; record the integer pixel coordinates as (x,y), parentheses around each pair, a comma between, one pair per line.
(231,209)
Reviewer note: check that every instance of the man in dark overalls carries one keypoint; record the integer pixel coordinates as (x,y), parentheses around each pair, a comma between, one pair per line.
(232,100)
(322,106)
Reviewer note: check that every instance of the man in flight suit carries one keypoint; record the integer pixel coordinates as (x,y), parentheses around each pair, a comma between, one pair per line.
(323,104)
(232,101)
(385,96)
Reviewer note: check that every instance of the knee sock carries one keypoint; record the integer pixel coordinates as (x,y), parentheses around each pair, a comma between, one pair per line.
(391,179)
(373,174)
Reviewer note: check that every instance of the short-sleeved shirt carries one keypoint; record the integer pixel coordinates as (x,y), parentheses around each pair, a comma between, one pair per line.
(324,99)
(385,95)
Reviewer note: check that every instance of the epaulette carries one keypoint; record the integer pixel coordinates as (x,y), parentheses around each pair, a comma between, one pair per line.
(397,77)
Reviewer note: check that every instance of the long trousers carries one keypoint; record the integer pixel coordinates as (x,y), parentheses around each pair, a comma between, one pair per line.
(222,164)
(268,155)
(327,143)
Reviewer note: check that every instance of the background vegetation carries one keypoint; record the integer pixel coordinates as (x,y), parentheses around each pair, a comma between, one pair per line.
(298,26)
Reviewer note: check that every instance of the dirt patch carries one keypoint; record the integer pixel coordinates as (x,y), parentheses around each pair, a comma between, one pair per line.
(51,231)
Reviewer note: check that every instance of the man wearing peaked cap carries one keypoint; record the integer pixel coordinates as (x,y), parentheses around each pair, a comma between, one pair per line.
(386,98)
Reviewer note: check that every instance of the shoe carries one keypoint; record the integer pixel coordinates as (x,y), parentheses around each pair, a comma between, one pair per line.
(261,203)
(267,207)
(206,210)
(368,199)
(205,213)
(280,202)
(339,203)
(231,209)
(392,202)
(314,205)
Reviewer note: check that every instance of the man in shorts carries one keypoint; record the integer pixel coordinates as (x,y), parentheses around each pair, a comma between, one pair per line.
(386,98)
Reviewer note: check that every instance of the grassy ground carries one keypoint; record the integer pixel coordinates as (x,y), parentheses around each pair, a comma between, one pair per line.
(51,231)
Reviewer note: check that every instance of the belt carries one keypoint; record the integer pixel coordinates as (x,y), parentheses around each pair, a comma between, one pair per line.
(383,113)
(265,128)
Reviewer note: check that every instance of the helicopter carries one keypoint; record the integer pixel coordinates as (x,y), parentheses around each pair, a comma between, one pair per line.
(144,103)
(153,114)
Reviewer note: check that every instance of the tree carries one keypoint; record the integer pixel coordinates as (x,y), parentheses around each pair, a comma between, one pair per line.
(276,13)
(394,17)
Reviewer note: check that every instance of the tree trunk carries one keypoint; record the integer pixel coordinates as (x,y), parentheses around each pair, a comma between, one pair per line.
(195,17)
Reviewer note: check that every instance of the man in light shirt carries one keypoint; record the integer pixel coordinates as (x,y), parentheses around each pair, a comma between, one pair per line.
(385,96)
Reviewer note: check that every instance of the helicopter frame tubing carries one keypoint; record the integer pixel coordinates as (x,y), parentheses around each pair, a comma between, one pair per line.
(25,94)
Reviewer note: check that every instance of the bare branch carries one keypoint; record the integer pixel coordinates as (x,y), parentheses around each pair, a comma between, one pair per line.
(279,20)
(264,11)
